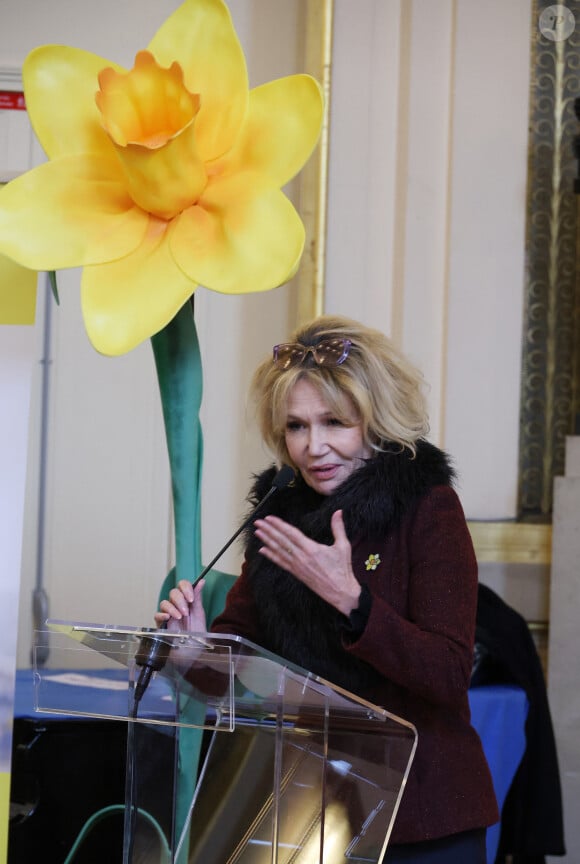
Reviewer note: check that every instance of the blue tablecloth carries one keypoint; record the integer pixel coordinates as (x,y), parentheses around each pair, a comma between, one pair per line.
(87,693)
(498,713)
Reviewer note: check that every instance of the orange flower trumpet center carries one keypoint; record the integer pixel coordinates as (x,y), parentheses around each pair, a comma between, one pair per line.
(149,115)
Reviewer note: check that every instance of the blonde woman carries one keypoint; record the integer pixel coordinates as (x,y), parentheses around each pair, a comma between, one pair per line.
(363,570)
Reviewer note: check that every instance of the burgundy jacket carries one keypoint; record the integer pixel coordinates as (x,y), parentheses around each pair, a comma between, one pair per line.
(414,653)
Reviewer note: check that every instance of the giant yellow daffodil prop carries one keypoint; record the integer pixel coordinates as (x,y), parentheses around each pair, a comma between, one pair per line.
(161,178)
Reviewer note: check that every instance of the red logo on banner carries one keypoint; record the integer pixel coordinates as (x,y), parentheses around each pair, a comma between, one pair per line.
(12,100)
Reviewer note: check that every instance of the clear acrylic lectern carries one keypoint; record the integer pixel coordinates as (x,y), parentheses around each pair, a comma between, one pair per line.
(234,756)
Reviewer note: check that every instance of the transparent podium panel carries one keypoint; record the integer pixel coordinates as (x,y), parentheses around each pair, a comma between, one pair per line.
(233,754)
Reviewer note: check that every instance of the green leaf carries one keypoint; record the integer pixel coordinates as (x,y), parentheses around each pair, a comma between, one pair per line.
(53,285)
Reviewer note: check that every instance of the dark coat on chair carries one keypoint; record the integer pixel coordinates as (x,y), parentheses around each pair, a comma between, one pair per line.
(532,820)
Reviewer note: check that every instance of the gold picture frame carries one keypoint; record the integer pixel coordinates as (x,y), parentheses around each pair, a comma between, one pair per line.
(313,189)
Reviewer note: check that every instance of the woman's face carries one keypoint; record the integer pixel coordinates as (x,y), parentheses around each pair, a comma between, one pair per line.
(324,449)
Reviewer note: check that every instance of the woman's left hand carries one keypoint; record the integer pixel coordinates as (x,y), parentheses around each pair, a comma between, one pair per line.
(326,570)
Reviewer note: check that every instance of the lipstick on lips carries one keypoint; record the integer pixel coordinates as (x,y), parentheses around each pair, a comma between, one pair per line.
(324,472)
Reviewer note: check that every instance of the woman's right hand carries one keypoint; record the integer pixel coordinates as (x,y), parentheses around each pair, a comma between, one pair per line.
(183,611)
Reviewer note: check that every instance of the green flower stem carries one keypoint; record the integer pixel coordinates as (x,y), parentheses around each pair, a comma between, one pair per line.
(178,362)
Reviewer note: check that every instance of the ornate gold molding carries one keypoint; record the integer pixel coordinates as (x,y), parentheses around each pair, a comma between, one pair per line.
(512,542)
(314,176)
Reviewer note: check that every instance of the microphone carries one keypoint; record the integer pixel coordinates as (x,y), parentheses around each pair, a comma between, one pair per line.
(154,650)
(280,481)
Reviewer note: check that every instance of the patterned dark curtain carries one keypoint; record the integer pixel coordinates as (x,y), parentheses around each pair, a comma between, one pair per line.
(550,404)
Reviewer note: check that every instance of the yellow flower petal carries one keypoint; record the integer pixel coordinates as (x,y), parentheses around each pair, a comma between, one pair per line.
(60,85)
(200,36)
(17,293)
(243,236)
(67,213)
(281,129)
(129,300)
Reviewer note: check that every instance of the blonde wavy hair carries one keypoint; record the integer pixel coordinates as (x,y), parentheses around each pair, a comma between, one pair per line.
(386,390)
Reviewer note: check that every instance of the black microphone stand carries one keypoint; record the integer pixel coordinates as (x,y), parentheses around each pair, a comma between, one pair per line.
(153,651)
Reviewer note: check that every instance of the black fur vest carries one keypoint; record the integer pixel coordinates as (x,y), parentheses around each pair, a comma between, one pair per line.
(297,624)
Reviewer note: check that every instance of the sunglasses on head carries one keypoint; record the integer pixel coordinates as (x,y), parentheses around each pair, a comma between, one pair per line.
(327,352)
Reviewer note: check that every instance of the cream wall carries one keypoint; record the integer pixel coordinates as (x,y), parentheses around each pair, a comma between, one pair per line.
(427,212)
(425,240)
